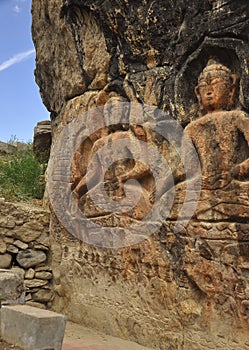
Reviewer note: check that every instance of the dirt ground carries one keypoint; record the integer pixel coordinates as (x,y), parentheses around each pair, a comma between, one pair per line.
(78,337)
(5,346)
(81,338)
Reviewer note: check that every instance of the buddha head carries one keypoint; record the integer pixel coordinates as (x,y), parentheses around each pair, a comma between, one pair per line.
(216,88)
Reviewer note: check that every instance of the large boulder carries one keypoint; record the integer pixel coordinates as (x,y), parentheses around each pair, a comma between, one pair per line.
(42,140)
(184,288)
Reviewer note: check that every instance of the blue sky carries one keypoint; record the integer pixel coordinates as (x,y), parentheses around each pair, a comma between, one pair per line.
(20,103)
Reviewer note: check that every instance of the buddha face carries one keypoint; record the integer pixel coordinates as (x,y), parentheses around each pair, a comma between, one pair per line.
(215,89)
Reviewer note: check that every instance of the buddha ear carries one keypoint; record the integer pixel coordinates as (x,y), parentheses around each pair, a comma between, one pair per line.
(197,93)
(234,79)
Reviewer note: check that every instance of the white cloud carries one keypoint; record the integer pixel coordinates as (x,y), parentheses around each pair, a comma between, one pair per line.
(17,9)
(18,6)
(16,59)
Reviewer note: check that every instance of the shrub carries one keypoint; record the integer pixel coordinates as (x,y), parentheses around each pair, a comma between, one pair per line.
(21,176)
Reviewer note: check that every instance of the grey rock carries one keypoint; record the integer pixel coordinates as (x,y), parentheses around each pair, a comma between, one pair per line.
(43,268)
(42,296)
(30,274)
(44,275)
(41,247)
(5,261)
(35,283)
(11,285)
(3,247)
(7,222)
(12,249)
(18,270)
(29,231)
(29,258)
(36,304)
(20,244)
(9,235)
(28,297)
(42,140)
(7,239)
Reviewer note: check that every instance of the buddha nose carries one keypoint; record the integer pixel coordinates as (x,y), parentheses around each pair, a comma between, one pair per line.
(209,90)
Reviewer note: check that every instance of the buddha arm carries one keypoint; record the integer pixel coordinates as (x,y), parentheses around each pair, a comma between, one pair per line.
(241,170)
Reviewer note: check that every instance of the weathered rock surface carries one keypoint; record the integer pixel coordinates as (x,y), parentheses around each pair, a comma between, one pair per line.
(44,275)
(20,244)
(30,274)
(11,286)
(12,249)
(42,140)
(3,247)
(5,261)
(36,304)
(29,258)
(132,39)
(29,231)
(186,289)
(43,268)
(42,296)
(35,283)
(7,222)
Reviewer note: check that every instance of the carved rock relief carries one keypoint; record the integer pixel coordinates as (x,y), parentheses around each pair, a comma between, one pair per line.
(189,288)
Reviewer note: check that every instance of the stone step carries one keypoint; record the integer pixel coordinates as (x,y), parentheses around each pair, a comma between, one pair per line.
(32,328)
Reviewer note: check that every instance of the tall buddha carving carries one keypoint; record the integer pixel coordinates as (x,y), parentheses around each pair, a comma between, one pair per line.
(217,250)
(221,138)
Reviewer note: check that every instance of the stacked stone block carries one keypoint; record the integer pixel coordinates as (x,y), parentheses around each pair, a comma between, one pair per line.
(25,246)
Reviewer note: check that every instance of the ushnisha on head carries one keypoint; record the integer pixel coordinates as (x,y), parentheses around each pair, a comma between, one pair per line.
(216,88)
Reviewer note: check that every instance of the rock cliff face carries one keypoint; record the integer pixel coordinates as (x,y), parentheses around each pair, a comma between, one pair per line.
(42,140)
(185,288)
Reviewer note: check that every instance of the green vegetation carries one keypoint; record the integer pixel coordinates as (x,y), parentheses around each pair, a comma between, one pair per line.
(21,176)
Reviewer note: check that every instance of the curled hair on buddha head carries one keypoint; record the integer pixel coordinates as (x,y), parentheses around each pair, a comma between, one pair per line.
(225,73)
(219,67)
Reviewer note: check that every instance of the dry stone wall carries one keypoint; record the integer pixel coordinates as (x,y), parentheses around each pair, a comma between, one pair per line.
(25,247)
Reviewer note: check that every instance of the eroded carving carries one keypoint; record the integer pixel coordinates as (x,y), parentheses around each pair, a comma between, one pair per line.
(175,290)
(133,173)
(221,138)
(87,172)
(216,259)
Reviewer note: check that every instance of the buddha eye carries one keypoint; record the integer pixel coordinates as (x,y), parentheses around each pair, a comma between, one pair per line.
(217,81)
(203,85)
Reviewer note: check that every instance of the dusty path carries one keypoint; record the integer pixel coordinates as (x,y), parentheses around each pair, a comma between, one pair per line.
(5,346)
(81,338)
